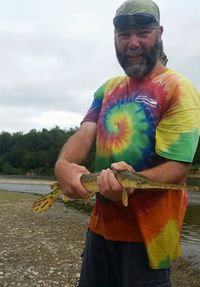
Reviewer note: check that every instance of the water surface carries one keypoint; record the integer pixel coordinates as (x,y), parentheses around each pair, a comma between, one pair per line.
(29,188)
(191,234)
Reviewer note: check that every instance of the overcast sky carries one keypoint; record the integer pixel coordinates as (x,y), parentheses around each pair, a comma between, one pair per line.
(54,54)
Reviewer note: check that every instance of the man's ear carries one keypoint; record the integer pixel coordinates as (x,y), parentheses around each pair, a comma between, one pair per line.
(160,31)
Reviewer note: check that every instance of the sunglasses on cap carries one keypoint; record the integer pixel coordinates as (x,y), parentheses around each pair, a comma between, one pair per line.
(139,20)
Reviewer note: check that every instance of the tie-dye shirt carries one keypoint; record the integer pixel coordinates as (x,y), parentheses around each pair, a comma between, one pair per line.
(140,122)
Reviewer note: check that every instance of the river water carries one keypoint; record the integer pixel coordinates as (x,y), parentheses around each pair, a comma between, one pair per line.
(191,226)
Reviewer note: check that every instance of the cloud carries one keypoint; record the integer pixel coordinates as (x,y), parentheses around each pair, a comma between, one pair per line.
(55,53)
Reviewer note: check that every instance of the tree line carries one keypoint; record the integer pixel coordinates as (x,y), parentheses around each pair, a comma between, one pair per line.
(36,152)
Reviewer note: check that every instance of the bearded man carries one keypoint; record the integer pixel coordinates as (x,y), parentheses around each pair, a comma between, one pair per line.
(146,121)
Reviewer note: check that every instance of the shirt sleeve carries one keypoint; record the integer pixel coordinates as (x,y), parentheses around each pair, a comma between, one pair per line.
(177,133)
(92,114)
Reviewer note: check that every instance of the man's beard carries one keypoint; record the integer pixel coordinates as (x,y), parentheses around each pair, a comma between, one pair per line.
(140,68)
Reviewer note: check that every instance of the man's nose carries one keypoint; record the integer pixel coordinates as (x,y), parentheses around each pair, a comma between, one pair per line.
(133,42)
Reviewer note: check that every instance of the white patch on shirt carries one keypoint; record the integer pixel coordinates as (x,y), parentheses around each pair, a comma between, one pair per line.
(148,101)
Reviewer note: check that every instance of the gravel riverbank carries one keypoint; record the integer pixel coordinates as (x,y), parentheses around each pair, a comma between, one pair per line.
(43,250)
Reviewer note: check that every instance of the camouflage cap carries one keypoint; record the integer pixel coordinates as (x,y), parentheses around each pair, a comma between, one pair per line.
(132,7)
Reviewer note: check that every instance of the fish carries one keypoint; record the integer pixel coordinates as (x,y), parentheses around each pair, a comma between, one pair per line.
(127,180)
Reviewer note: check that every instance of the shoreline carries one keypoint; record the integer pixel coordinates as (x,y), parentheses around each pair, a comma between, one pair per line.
(44,249)
(25,181)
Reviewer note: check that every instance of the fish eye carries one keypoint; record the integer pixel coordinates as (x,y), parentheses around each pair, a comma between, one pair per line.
(139,184)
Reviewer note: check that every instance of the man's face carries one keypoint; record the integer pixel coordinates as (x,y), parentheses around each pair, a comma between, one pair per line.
(137,50)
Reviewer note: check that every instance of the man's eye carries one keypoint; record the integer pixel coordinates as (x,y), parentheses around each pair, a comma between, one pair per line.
(123,35)
(143,33)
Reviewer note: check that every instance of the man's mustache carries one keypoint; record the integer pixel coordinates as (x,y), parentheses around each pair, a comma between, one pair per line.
(134,52)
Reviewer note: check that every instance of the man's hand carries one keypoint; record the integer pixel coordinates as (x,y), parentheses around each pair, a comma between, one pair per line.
(68,175)
(108,185)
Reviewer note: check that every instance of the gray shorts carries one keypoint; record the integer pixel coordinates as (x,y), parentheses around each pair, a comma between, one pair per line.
(109,263)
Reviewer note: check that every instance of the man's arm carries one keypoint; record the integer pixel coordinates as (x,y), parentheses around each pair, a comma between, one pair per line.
(169,172)
(67,168)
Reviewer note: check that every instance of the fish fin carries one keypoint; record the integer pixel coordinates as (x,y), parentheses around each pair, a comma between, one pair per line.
(45,202)
(125,197)
(89,197)
(65,198)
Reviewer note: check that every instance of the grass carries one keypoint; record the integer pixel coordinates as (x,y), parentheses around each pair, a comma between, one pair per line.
(15,196)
